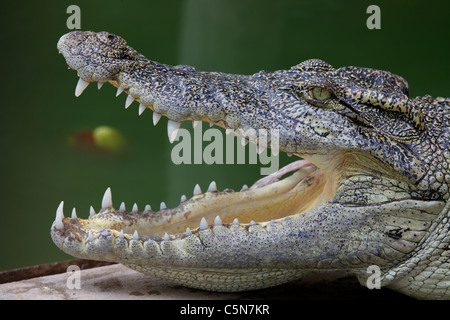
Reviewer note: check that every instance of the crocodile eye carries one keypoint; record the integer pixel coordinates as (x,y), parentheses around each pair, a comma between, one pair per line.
(319,93)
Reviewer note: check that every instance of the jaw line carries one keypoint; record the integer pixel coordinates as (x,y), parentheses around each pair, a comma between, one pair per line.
(265,202)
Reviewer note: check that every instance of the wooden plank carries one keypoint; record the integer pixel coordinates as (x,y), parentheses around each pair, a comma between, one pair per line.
(108,282)
(120,283)
(47,269)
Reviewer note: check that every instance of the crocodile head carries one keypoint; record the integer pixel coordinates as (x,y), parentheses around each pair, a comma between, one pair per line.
(371,187)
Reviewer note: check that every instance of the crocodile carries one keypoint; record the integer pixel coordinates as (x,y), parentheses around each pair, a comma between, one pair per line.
(369,190)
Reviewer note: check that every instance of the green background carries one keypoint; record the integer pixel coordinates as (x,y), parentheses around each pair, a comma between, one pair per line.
(38,168)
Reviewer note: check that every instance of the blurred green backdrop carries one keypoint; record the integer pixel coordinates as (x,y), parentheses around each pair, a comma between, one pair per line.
(38,168)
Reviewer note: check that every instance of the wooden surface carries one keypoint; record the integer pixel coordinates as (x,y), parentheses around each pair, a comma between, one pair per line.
(118,282)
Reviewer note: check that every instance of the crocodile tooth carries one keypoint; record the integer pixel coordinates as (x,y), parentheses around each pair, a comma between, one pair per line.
(74,214)
(91,237)
(166,237)
(59,216)
(100,85)
(172,129)
(122,207)
(162,206)
(135,235)
(217,221)
(252,223)
(244,187)
(183,198)
(211,123)
(212,187)
(195,123)
(128,101)
(156,117)
(244,141)
(121,234)
(236,221)
(119,91)
(147,208)
(91,211)
(141,108)
(197,190)
(203,224)
(81,85)
(289,154)
(107,199)
(229,130)
(135,208)
(188,232)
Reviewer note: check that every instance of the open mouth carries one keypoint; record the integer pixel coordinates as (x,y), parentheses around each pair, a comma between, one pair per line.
(292,190)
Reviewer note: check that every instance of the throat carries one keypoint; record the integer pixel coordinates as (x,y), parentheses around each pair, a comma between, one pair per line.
(330,165)
(354,177)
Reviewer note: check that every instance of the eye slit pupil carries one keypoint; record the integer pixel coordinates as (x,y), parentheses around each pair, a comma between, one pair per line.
(320,93)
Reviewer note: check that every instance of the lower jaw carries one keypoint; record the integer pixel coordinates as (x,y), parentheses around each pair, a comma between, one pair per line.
(268,200)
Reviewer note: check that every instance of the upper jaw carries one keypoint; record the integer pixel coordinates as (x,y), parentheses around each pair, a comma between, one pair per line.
(303,129)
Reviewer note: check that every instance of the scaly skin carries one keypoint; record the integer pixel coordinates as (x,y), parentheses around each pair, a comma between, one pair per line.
(373,188)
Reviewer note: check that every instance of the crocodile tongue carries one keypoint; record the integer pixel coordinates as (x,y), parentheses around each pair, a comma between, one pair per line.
(297,165)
